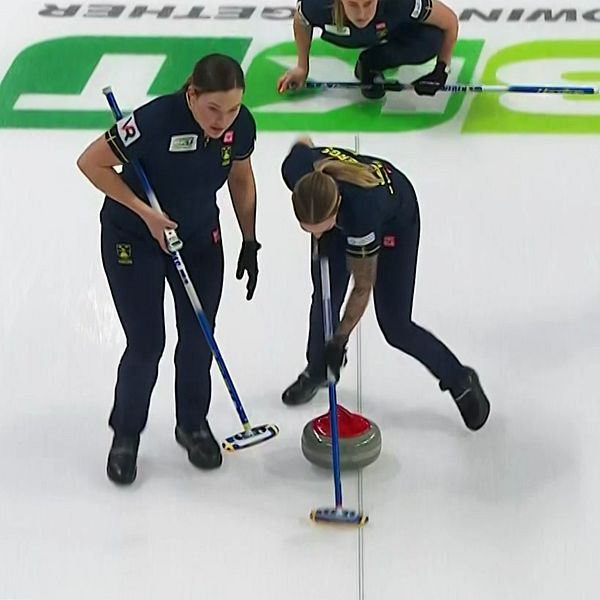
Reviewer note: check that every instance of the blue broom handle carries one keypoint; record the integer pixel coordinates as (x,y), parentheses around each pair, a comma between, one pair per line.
(396,86)
(328,330)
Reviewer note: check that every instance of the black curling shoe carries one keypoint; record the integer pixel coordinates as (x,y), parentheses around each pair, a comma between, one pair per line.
(121,467)
(304,389)
(369,89)
(471,400)
(203,450)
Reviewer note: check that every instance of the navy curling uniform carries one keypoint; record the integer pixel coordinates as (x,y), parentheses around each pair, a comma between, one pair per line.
(185,168)
(383,221)
(399,22)
(396,36)
(392,32)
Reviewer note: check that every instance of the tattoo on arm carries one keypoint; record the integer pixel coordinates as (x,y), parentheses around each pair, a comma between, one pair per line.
(364,272)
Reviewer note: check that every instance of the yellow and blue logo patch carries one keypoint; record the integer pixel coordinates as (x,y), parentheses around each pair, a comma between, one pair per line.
(124,254)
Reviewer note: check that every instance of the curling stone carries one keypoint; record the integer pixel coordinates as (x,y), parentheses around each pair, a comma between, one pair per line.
(360,440)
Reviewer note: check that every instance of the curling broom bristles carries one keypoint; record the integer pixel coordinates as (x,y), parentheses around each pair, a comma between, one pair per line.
(251,437)
(339,516)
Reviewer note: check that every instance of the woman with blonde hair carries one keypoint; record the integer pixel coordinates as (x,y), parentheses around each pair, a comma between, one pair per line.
(365,215)
(393,33)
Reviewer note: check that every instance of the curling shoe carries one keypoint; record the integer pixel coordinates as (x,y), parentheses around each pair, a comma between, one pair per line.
(369,89)
(470,399)
(304,389)
(121,467)
(203,450)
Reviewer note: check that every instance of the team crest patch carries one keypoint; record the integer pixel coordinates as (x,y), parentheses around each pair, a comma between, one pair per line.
(183,143)
(225,155)
(228,137)
(381,30)
(124,255)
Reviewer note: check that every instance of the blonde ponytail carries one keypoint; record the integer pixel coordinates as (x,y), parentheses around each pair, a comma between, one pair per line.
(316,196)
(351,172)
(338,14)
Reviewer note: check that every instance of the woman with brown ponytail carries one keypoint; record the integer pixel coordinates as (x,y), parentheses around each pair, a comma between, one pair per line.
(365,214)
(393,33)
(190,143)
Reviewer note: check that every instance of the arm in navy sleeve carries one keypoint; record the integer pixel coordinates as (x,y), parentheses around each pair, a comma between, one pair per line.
(132,135)
(117,146)
(245,135)
(297,163)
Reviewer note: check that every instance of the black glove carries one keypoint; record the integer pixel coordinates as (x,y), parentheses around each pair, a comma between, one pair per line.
(429,84)
(335,355)
(248,262)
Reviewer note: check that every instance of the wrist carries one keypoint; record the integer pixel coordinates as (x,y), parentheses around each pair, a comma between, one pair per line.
(441,66)
(143,210)
(339,339)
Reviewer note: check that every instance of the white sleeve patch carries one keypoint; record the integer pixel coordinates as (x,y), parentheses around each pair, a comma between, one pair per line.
(417,9)
(128,130)
(365,240)
(303,19)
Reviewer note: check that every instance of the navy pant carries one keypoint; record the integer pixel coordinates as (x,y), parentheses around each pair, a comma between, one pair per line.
(393,297)
(408,44)
(136,269)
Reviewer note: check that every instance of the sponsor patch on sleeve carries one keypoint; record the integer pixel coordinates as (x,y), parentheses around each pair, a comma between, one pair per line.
(421,9)
(365,240)
(128,130)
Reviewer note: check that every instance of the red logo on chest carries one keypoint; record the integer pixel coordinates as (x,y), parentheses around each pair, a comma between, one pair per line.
(228,137)
(379,26)
(389,241)
(216,235)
